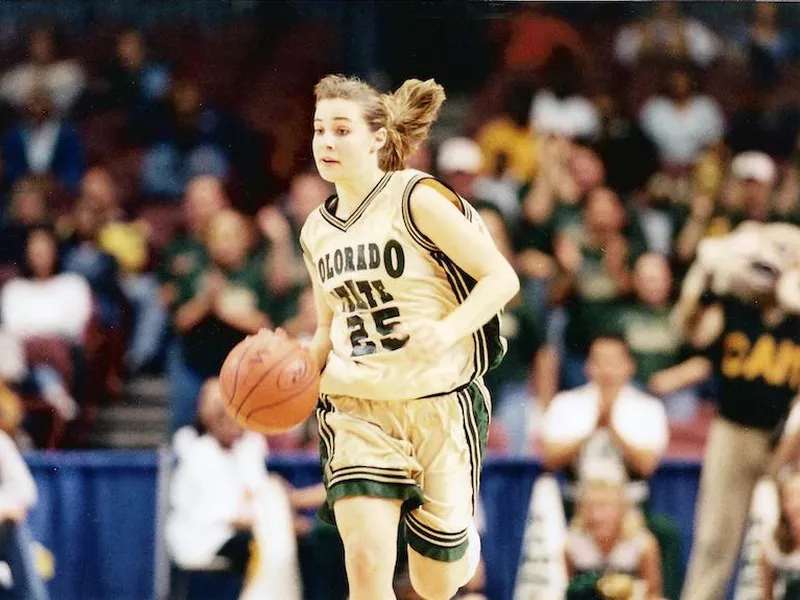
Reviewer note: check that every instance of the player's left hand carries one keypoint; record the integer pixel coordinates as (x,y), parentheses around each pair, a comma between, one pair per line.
(427,339)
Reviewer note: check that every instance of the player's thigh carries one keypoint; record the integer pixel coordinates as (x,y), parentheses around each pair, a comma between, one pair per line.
(450,435)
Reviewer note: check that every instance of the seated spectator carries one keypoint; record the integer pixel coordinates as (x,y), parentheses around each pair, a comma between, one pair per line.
(552,203)
(187,138)
(43,145)
(63,79)
(17,497)
(608,428)
(561,106)
(534,36)
(681,121)
(609,551)
(510,135)
(748,196)
(667,34)
(126,240)
(527,379)
(217,307)
(595,261)
(768,46)
(84,256)
(27,209)
(460,162)
(627,152)
(204,197)
(780,554)
(655,340)
(131,79)
(47,303)
(764,121)
(224,504)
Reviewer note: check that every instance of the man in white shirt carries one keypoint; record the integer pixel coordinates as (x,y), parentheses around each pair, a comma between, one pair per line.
(224,504)
(17,496)
(610,429)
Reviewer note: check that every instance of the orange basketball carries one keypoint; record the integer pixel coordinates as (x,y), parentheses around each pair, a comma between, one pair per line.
(269,383)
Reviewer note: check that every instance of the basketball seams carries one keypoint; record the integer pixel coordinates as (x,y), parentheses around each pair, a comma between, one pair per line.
(264,375)
(283,400)
(280,363)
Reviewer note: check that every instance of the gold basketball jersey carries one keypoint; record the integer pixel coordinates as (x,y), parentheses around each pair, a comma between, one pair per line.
(378,269)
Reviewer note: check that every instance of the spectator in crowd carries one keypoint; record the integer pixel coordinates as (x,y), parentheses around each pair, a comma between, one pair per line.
(17,497)
(765,121)
(46,68)
(127,241)
(534,36)
(666,35)
(27,209)
(509,137)
(607,540)
(132,80)
(217,307)
(748,196)
(654,338)
(627,152)
(224,504)
(204,197)
(84,256)
(553,202)
(681,121)
(595,262)
(45,302)
(780,553)
(42,145)
(460,163)
(186,138)
(527,379)
(767,45)
(610,429)
(561,105)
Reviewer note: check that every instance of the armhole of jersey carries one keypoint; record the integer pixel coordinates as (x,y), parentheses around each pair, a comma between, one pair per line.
(303,246)
(446,191)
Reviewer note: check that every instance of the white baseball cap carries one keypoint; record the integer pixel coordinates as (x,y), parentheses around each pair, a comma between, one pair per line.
(459,154)
(754,165)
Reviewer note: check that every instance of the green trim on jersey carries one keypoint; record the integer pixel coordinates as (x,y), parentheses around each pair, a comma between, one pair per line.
(490,347)
(344,224)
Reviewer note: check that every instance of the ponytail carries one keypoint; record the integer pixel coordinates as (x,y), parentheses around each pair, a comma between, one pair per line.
(407,114)
(410,113)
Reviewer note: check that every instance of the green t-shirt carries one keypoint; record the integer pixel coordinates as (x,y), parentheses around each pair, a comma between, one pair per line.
(207,345)
(654,339)
(184,257)
(520,326)
(594,303)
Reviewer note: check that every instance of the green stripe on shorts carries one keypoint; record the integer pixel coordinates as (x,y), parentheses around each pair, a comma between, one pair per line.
(411,495)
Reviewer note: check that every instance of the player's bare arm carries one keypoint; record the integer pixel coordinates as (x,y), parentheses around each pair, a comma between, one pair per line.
(320,345)
(497,283)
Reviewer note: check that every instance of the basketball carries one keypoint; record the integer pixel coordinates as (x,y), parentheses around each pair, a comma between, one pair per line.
(269,383)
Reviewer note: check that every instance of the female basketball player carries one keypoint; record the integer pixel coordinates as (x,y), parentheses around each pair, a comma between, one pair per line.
(407,286)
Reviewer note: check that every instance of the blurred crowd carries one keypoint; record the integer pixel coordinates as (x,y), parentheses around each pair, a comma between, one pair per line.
(147,229)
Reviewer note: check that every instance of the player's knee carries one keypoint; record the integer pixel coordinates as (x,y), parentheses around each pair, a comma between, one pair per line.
(435,580)
(366,558)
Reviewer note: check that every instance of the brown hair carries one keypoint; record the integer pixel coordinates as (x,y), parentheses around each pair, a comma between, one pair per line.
(407,114)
